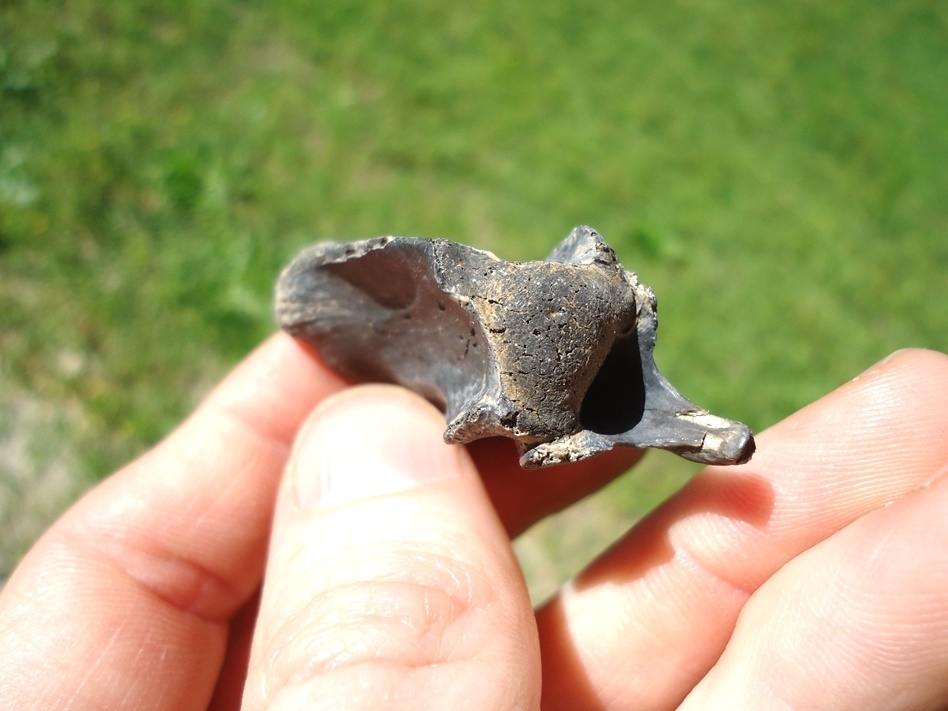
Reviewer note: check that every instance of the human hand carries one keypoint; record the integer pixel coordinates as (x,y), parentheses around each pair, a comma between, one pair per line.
(390,581)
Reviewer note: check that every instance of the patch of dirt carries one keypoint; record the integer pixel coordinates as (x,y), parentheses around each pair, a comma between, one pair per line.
(39,470)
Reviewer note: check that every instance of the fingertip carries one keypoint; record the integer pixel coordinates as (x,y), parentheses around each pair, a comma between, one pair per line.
(911,363)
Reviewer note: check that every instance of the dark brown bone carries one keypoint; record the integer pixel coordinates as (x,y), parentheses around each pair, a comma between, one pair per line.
(556,355)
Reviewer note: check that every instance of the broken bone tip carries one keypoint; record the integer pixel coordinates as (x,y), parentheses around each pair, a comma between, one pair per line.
(734,445)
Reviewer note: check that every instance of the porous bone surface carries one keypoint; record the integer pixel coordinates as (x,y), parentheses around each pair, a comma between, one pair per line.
(555,354)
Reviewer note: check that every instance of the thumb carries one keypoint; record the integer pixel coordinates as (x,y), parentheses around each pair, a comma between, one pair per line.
(391,583)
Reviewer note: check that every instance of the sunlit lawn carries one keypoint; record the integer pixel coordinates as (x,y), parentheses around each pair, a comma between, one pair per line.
(776,171)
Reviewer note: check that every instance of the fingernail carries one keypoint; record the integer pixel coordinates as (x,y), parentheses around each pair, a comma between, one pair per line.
(366,442)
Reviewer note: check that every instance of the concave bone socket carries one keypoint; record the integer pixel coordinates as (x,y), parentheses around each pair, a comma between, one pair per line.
(557,355)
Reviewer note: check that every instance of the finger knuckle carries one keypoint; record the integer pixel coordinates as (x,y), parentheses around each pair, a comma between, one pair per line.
(407,611)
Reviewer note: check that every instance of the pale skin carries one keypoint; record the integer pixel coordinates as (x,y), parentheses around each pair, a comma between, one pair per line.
(815,576)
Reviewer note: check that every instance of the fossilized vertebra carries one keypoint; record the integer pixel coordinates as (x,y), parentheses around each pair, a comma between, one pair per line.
(555,354)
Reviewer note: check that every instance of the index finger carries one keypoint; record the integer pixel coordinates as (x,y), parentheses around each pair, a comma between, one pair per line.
(124,602)
(644,623)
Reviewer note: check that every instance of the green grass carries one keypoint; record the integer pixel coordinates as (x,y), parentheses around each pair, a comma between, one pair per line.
(778,172)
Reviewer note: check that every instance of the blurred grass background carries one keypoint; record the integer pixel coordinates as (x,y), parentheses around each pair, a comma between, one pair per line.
(777,172)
